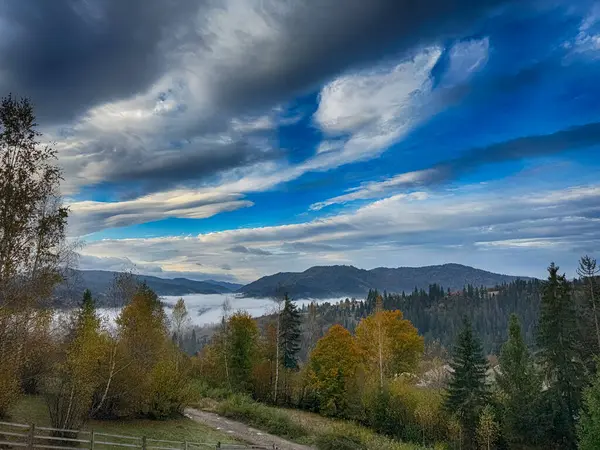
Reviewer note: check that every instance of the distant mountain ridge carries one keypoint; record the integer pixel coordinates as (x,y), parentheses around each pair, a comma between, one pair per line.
(99,282)
(349,281)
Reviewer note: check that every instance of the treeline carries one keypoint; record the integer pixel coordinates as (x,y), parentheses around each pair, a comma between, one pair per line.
(82,365)
(541,393)
(437,313)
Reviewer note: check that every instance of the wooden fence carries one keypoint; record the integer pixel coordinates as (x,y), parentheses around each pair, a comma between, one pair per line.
(17,435)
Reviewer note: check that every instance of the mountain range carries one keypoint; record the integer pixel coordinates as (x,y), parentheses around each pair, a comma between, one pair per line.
(99,282)
(316,282)
(348,281)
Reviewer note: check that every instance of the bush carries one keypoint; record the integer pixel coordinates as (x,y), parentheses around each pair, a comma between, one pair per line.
(9,389)
(335,441)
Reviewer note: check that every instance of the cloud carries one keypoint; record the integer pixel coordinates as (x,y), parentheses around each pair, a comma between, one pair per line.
(382,232)
(571,139)
(465,58)
(250,251)
(89,216)
(135,87)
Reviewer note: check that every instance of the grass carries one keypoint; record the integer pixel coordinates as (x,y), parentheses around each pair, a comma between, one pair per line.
(304,427)
(32,409)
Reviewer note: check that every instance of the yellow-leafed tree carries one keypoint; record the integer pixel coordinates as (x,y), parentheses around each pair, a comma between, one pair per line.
(333,368)
(389,344)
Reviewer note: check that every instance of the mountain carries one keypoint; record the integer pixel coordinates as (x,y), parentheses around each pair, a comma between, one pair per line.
(226,284)
(99,281)
(348,281)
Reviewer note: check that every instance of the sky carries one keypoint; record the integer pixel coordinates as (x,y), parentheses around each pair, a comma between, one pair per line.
(231,139)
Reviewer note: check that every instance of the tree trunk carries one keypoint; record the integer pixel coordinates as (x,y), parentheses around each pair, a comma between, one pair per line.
(277,354)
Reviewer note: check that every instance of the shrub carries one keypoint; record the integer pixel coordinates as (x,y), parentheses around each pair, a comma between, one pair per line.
(336,441)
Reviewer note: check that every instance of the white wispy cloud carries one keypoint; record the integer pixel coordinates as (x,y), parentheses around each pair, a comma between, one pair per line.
(379,234)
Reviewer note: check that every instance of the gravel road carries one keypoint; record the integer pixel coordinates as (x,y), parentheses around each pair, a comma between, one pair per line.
(242,431)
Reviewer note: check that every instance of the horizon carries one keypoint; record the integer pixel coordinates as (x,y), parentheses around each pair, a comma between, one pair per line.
(233,141)
(162,276)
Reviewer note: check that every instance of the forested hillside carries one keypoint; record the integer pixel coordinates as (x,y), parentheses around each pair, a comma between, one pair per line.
(336,281)
(438,313)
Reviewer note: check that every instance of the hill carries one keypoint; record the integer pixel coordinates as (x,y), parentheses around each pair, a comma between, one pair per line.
(99,282)
(341,281)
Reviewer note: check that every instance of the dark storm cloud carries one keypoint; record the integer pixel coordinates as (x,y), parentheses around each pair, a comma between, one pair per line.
(177,166)
(323,38)
(71,55)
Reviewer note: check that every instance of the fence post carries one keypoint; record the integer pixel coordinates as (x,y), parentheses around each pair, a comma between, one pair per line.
(143,442)
(31,436)
(92,439)
(185,445)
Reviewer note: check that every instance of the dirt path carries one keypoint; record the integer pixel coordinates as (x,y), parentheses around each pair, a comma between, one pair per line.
(241,431)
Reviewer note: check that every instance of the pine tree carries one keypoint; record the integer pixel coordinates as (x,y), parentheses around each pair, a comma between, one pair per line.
(521,387)
(467,391)
(290,334)
(559,355)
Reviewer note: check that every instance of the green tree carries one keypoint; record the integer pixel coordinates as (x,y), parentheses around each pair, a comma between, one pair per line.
(589,425)
(467,391)
(290,334)
(69,390)
(242,344)
(332,370)
(558,340)
(520,386)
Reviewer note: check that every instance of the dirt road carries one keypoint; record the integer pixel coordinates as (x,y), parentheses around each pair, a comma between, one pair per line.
(241,431)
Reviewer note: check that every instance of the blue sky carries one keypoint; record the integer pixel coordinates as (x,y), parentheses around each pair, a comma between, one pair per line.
(235,139)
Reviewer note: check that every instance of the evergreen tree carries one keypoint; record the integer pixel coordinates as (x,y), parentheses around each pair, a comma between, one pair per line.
(521,388)
(589,426)
(290,334)
(559,356)
(467,391)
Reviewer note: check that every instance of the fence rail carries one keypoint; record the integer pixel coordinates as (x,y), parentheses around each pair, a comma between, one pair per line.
(28,436)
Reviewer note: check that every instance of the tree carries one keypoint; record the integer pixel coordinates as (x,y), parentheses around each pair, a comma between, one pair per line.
(242,341)
(333,366)
(121,291)
(180,319)
(32,237)
(467,391)
(487,429)
(278,299)
(290,334)
(389,344)
(69,390)
(589,425)
(521,388)
(142,343)
(588,272)
(563,370)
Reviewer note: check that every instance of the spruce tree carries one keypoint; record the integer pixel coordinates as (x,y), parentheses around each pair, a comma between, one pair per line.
(521,387)
(558,340)
(290,334)
(467,391)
